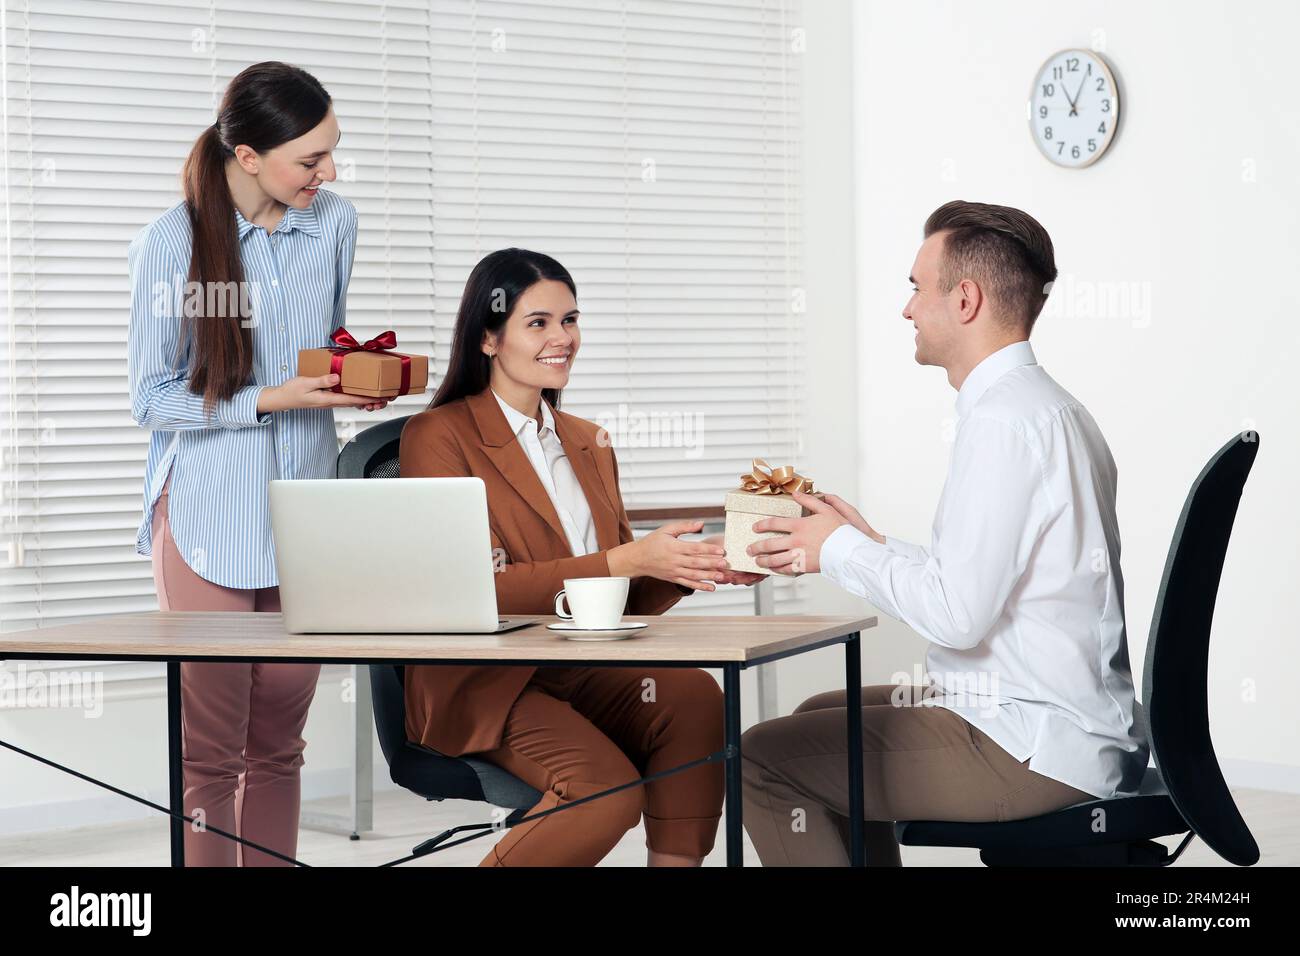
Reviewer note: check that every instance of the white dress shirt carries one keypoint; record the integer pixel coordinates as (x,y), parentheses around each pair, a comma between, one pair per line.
(544,451)
(1020,593)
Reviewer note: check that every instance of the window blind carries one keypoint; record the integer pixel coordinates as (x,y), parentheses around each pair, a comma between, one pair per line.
(651,147)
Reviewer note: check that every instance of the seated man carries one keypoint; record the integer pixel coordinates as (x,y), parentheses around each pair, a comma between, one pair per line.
(1029,703)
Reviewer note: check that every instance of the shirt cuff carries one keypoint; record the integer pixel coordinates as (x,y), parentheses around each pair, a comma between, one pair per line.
(836,551)
(241,410)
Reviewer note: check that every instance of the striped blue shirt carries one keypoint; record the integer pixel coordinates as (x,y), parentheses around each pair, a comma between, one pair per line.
(220,467)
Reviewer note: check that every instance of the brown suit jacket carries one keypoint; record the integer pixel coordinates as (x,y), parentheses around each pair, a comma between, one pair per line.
(462,709)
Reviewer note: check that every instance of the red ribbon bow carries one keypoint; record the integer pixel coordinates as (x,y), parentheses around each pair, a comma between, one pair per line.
(345,344)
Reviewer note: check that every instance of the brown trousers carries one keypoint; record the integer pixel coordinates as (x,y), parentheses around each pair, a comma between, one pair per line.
(575,731)
(919,763)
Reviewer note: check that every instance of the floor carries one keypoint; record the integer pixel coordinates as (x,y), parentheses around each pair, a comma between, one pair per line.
(403,820)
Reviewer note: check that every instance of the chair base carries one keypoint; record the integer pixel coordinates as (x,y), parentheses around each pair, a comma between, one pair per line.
(1138,853)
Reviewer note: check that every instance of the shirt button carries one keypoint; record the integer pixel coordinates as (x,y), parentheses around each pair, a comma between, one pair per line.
(284,368)
(285,446)
(282,328)
(275,282)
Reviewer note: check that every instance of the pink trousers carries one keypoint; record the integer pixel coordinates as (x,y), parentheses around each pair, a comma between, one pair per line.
(241,724)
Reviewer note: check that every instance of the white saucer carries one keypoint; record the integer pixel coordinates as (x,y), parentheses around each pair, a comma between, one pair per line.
(574,633)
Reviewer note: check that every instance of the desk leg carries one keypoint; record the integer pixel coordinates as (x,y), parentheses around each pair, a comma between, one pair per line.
(765,603)
(731,724)
(174,767)
(853,689)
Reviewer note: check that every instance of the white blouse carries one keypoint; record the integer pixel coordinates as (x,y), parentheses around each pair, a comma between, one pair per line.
(546,453)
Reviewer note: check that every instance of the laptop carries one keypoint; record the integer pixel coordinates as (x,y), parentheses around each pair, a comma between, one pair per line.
(374,556)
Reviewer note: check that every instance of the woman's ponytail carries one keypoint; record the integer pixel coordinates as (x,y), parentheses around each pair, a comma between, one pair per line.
(223,342)
(264,106)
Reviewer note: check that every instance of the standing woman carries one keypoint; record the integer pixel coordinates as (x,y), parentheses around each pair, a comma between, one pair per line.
(226,287)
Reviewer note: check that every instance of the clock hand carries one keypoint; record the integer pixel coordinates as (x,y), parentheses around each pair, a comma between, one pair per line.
(1067,96)
(1074,103)
(1067,93)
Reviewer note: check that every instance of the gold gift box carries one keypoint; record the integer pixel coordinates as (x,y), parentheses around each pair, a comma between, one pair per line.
(765,492)
(744,509)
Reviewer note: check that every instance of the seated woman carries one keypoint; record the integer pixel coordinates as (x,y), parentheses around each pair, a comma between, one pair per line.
(556,512)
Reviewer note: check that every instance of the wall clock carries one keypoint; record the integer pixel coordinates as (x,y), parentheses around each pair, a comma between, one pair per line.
(1074,108)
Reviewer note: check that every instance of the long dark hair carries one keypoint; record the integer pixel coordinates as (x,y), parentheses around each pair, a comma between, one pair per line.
(493,289)
(265,105)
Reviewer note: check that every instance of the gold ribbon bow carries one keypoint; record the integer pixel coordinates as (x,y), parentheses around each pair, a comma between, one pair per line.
(766,480)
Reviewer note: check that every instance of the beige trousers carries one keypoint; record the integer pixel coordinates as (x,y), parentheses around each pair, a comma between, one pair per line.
(919,763)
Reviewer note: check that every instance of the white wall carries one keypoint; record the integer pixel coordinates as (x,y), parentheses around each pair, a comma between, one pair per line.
(1196,203)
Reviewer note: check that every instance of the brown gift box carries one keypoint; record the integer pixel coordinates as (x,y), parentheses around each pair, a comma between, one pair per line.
(372,374)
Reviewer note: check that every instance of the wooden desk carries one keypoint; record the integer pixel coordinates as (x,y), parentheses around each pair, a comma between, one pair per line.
(729,643)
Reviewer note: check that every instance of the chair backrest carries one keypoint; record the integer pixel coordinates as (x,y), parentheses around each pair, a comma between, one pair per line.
(388,700)
(1174,681)
(372,452)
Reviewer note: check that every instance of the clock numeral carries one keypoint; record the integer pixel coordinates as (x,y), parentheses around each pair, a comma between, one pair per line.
(1092,146)
(1074,152)
(1102,128)
(1060,147)
(1101,83)
(1049,89)
(1047,132)
(1073,63)
(1042,112)
(1057,73)
(1105,105)
(1089,73)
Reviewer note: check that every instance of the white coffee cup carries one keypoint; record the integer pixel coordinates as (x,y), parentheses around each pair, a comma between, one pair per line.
(594,603)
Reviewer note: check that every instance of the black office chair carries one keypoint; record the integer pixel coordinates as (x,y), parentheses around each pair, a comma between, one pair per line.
(1184,792)
(372,453)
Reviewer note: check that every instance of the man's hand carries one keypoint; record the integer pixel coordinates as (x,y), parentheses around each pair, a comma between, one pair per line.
(799,551)
(854,517)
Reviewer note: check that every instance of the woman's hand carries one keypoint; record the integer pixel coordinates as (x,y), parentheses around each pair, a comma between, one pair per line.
(662,554)
(312,391)
(729,576)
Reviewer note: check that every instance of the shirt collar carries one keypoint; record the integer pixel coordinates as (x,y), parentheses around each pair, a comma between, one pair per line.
(519,421)
(294,218)
(992,368)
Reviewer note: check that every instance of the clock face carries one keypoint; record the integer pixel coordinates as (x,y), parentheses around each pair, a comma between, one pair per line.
(1074,108)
